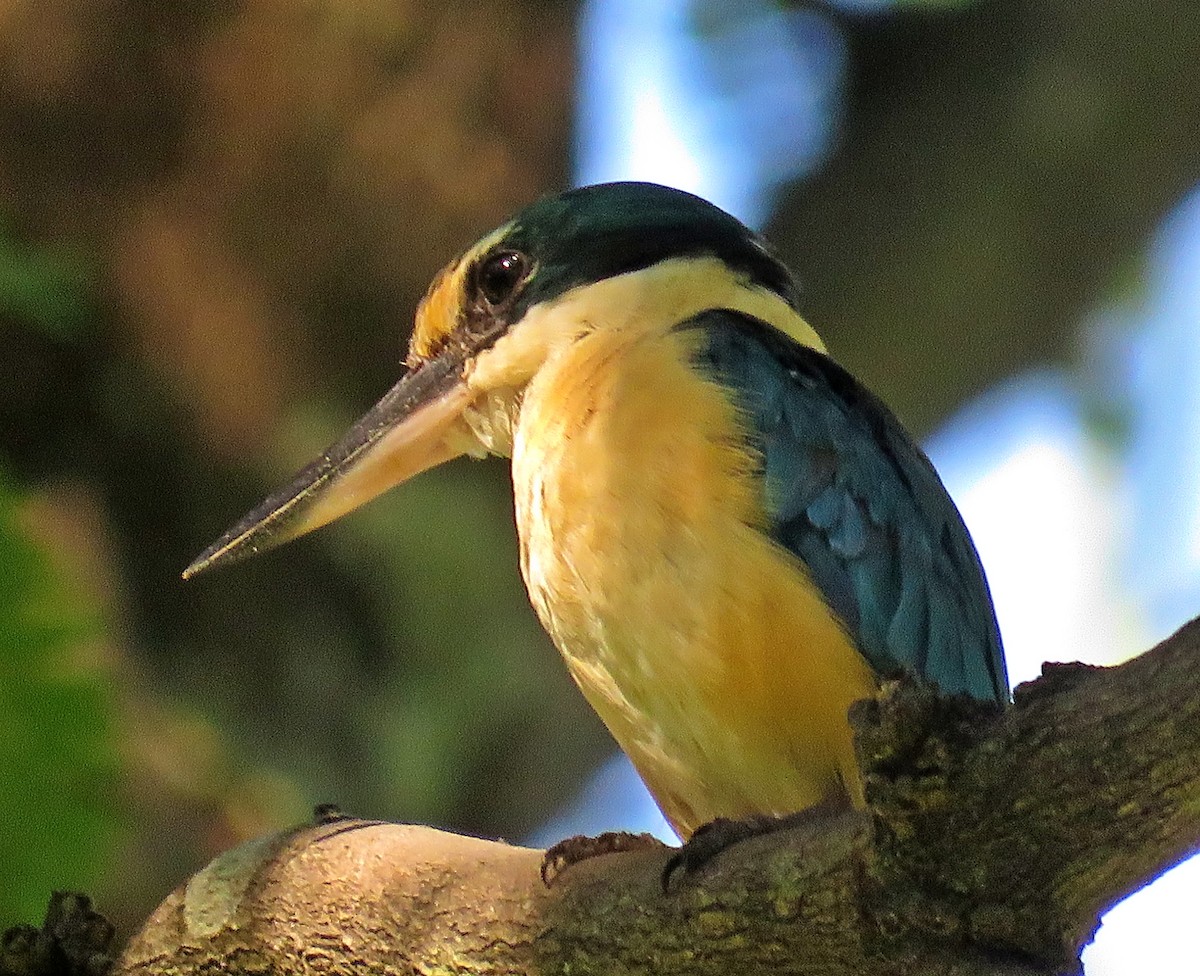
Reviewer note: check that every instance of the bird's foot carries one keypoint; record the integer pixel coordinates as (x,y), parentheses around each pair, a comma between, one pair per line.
(579,848)
(712,838)
(327,813)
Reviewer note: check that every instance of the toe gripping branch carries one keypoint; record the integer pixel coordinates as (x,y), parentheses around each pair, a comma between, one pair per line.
(571,851)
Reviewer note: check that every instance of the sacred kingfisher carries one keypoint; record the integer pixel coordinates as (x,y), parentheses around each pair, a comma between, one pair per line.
(726,535)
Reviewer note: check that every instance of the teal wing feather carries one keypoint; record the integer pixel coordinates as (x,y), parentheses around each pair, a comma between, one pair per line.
(851,495)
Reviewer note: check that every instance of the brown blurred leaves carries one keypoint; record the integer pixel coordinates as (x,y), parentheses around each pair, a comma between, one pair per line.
(226,163)
(258,193)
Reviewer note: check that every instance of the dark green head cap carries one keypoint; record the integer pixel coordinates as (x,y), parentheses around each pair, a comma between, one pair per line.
(597,232)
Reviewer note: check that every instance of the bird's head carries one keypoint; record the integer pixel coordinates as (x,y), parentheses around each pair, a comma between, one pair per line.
(626,256)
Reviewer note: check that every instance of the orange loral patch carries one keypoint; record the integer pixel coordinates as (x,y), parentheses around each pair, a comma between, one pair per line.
(437,315)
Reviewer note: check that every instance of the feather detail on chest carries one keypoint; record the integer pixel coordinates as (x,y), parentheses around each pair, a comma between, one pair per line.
(702,644)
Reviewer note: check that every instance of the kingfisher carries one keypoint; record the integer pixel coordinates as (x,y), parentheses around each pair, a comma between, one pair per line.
(727,536)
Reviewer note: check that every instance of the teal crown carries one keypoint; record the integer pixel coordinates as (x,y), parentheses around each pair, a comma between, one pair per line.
(597,232)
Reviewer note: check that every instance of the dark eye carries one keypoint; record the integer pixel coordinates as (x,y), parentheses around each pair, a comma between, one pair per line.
(501,276)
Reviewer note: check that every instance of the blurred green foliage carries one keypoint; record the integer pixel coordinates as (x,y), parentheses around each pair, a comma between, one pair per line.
(41,288)
(931,4)
(57,755)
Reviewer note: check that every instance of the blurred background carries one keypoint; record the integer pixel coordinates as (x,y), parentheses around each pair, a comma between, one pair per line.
(216,220)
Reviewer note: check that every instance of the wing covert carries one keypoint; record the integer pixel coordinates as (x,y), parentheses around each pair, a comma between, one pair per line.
(860,505)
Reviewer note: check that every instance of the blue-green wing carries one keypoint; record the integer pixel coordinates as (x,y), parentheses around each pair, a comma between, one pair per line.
(851,495)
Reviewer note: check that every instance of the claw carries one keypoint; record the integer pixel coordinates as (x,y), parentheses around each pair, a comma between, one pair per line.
(580,848)
(712,838)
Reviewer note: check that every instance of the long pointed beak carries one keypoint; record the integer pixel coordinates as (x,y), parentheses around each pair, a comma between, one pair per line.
(413,428)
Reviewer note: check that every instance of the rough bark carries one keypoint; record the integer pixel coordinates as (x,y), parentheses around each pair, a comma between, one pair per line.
(992,844)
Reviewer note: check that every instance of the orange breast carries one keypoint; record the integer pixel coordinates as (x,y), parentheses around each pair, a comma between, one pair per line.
(702,645)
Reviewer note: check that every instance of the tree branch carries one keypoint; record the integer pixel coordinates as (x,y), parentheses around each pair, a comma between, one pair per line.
(992,845)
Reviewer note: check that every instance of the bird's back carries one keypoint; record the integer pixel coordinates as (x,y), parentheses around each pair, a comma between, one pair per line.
(859,504)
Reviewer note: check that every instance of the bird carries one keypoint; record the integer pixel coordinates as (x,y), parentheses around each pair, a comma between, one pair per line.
(729,539)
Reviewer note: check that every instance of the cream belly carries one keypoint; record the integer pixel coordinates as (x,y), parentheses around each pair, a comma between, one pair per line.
(702,645)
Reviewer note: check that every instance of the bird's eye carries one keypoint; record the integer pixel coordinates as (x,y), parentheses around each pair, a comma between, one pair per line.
(501,276)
